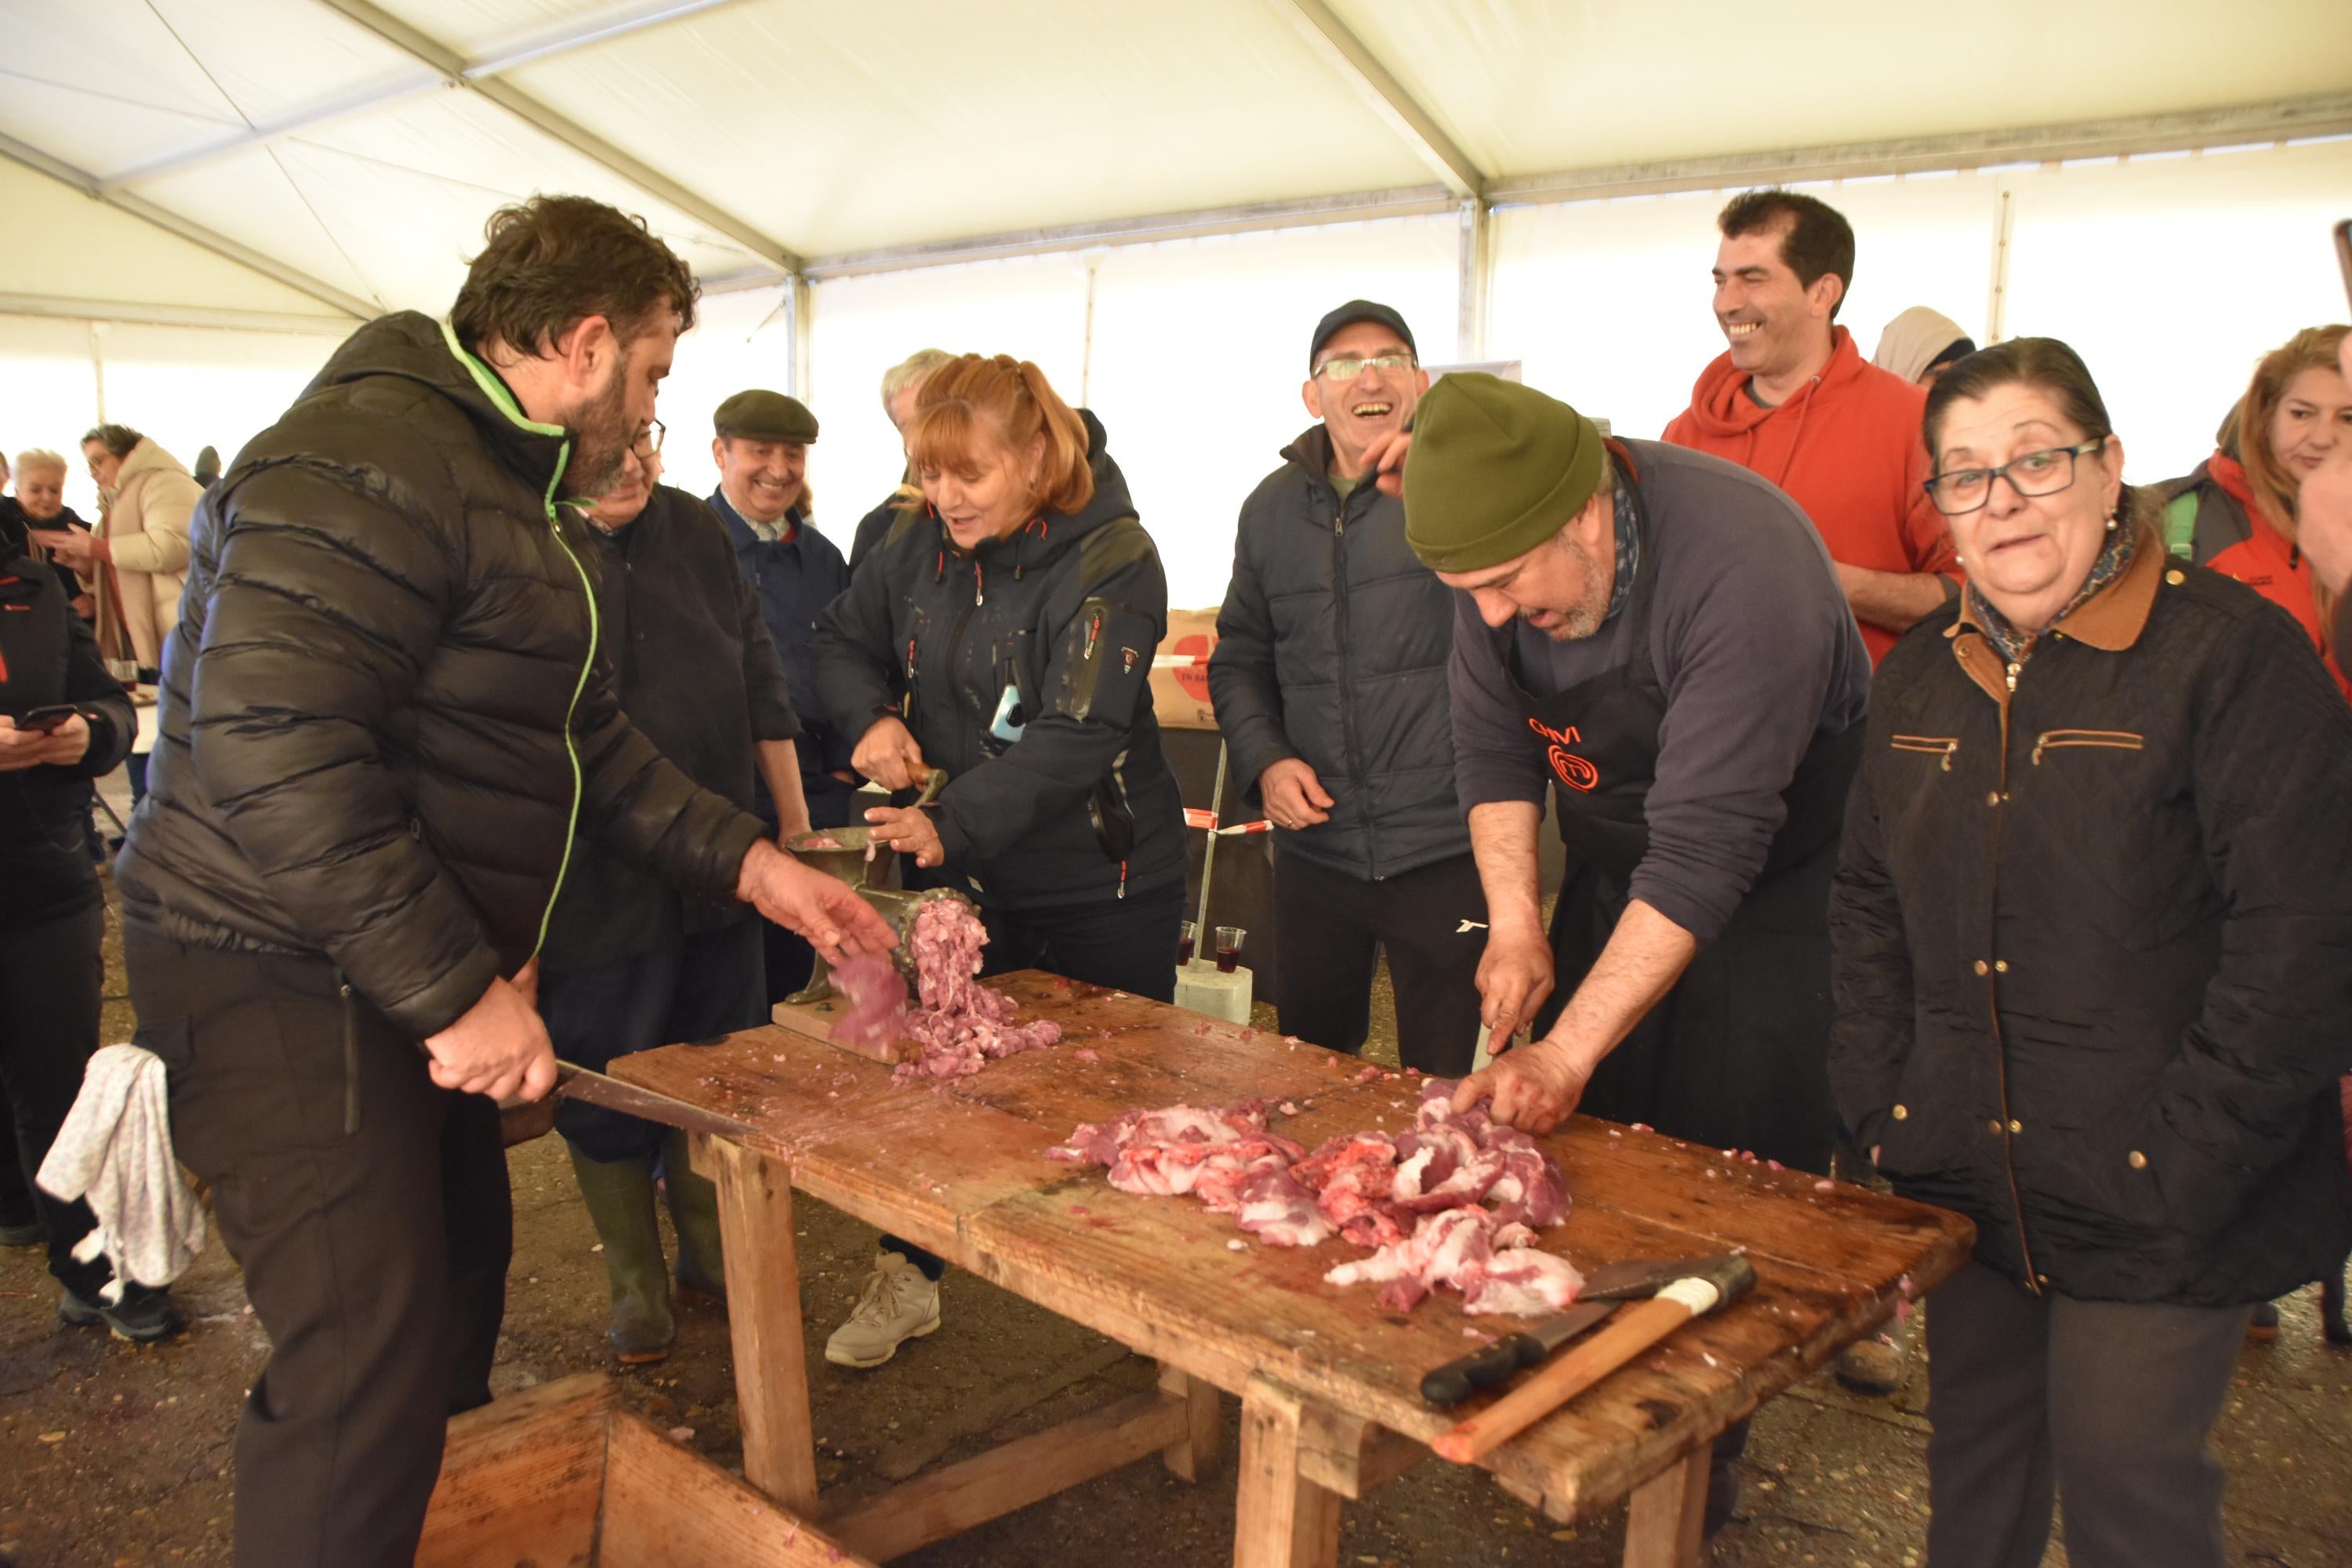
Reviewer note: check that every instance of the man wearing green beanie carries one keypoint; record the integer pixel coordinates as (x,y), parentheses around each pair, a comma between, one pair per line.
(1658,636)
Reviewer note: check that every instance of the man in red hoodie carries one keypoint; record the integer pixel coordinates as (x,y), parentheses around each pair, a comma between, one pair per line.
(1793,399)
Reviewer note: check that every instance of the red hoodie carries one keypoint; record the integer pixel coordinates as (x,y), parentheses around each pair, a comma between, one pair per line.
(1847,449)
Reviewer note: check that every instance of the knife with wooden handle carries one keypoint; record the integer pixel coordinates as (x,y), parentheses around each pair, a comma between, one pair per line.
(1635,1330)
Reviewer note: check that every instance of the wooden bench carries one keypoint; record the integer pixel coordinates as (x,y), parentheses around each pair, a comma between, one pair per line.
(560,1476)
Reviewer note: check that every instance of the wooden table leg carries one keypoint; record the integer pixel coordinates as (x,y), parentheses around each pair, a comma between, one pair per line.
(1662,1519)
(1282,1519)
(1196,1454)
(764,1316)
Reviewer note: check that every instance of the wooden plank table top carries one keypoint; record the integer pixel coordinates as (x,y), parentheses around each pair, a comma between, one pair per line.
(959,1167)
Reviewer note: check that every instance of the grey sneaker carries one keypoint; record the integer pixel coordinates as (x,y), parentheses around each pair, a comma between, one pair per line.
(896,1305)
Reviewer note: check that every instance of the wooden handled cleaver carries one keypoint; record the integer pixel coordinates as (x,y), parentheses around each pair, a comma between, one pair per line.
(1704,1284)
(1605,1289)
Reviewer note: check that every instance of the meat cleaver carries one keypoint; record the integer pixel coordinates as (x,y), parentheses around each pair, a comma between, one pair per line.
(1605,1289)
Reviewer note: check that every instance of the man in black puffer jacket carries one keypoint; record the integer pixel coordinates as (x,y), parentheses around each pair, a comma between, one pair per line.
(1329,683)
(384,713)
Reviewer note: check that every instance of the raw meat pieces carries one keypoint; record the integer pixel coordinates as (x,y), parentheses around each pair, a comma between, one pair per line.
(822,841)
(877,1002)
(1453,1201)
(961,1025)
(1226,1158)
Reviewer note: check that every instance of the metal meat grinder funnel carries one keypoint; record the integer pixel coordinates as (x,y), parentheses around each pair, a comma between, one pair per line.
(841,853)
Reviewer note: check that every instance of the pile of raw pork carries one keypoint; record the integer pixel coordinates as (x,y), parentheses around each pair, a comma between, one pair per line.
(961,1025)
(1456,1201)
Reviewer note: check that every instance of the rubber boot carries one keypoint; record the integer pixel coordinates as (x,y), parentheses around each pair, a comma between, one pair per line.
(693,1210)
(620,1198)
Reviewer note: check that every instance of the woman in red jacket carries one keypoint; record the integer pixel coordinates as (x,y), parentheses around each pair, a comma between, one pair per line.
(2237,512)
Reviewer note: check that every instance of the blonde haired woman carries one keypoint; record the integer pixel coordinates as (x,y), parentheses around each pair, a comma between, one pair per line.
(1003,631)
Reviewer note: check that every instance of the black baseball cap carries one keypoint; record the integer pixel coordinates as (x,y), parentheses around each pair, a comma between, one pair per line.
(1348,315)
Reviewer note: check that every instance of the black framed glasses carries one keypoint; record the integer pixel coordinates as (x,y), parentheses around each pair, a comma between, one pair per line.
(2042,473)
(649,441)
(1351,367)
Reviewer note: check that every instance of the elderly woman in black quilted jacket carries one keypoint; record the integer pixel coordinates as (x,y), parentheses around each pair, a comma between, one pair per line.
(2094,978)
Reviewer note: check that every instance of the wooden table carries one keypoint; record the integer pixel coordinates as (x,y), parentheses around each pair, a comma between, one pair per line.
(1329,1381)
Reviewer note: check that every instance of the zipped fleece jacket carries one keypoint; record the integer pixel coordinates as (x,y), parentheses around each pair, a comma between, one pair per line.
(2094,943)
(384,708)
(1332,647)
(1026,667)
(1848,448)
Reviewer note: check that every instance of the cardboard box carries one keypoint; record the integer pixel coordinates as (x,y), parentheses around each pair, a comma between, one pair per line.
(1179,672)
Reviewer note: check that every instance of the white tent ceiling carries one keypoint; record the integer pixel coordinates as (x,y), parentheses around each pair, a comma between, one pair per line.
(345,152)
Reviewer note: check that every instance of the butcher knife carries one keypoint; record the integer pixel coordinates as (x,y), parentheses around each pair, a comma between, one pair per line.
(1605,1289)
(573,1081)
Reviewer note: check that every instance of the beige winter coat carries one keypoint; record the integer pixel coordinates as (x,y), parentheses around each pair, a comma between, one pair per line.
(145,523)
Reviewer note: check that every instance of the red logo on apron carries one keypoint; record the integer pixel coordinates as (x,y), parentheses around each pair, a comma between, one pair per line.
(1571,770)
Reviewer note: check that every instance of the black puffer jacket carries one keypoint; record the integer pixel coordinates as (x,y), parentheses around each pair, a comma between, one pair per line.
(47,656)
(2094,938)
(1066,799)
(381,712)
(1332,647)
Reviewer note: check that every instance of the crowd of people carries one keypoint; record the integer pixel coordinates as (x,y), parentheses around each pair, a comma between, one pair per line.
(1939,806)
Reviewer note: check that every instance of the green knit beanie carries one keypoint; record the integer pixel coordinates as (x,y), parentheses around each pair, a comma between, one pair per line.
(1496,469)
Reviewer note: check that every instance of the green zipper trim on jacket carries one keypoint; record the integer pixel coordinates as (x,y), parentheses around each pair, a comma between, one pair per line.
(496,392)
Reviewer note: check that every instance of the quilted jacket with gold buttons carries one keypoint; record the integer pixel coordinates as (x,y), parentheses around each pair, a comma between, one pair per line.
(2093,941)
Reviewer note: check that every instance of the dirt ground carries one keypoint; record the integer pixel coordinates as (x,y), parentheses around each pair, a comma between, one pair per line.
(111,1454)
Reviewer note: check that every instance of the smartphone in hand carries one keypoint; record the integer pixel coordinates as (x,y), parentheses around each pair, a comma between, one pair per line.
(48,719)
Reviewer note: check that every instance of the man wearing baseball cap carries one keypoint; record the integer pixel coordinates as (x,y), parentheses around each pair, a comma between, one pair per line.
(760,441)
(1329,684)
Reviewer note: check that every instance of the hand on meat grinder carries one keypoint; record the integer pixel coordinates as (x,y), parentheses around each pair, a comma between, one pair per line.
(830,915)
(889,754)
(910,830)
(497,1047)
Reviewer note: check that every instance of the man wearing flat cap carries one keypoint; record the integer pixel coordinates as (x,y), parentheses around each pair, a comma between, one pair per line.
(1329,683)
(760,443)
(1658,636)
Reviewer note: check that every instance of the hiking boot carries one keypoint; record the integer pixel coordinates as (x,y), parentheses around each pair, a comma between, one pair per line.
(143,1317)
(620,1198)
(2262,1327)
(896,1305)
(693,1210)
(1873,1366)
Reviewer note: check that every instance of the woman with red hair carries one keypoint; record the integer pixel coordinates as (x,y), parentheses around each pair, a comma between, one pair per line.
(1016,610)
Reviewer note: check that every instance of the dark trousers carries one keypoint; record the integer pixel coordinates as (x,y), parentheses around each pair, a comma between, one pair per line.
(696,989)
(1330,928)
(1127,945)
(51,975)
(2107,1403)
(371,1214)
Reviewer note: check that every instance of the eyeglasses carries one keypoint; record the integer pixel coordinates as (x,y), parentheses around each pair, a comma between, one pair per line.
(649,441)
(1349,369)
(2042,473)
